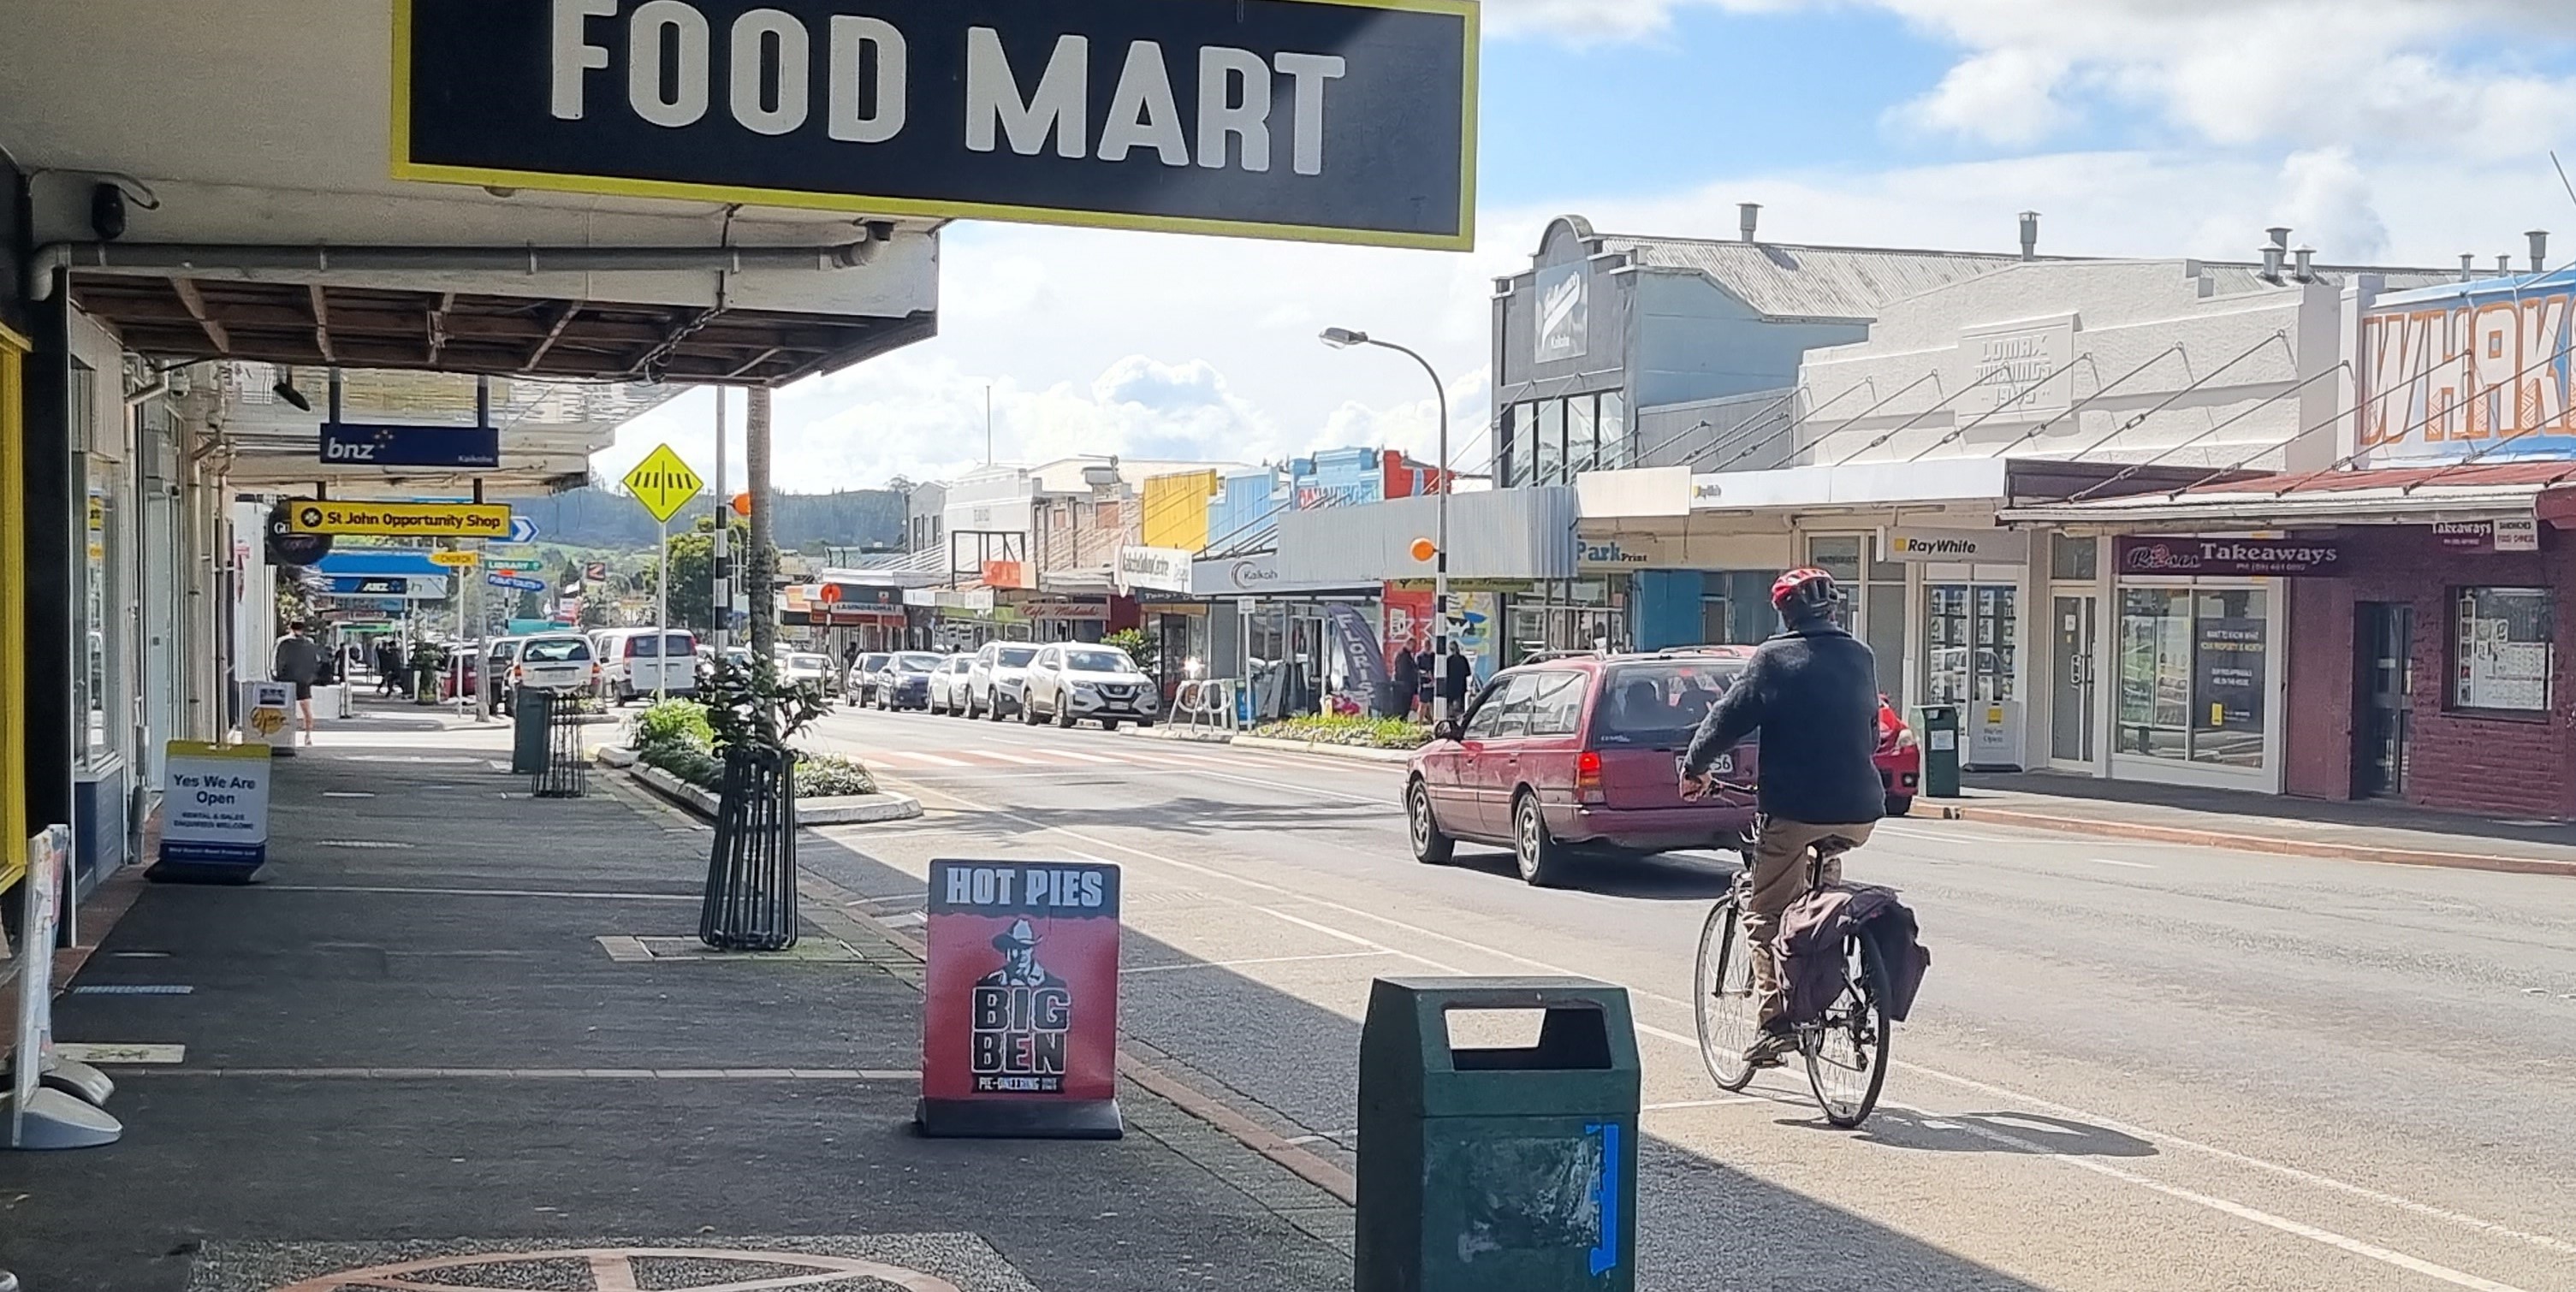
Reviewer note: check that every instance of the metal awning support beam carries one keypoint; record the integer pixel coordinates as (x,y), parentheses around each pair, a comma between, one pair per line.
(169,259)
(563,319)
(438,324)
(196,306)
(321,322)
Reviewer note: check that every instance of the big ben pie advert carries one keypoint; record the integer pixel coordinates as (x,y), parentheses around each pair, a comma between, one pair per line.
(1023,981)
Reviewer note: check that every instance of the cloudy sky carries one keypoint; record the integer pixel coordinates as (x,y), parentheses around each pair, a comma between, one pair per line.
(2388,131)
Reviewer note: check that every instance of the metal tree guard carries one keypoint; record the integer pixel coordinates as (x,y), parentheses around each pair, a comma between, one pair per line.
(566,774)
(750,902)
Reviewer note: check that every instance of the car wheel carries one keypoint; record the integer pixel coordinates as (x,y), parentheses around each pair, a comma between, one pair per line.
(1065,719)
(1430,846)
(1144,724)
(1542,860)
(994,710)
(970,710)
(1029,711)
(1900,805)
(1111,724)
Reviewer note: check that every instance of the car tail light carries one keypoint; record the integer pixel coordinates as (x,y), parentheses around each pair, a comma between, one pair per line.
(1587,777)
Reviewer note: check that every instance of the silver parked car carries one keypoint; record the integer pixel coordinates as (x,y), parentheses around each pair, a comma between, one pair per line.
(1073,682)
(948,685)
(998,684)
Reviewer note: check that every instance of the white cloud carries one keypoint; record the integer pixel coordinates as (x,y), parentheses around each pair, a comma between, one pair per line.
(2004,96)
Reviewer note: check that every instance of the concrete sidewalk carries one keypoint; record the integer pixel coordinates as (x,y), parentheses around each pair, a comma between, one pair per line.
(2392,833)
(426,1036)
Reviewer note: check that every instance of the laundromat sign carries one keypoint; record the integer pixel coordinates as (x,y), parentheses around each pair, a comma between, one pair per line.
(1324,120)
(2230,557)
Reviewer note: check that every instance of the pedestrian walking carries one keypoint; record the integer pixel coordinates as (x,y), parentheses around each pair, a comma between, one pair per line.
(387,653)
(1408,681)
(298,660)
(1455,674)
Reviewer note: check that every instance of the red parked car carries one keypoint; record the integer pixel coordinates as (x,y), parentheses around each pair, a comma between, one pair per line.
(1575,756)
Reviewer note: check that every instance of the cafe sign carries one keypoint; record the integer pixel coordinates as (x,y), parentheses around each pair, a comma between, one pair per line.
(2229,557)
(2512,534)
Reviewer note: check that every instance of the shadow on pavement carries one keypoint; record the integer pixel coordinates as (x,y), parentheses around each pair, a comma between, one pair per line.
(1998,1133)
(1293,1065)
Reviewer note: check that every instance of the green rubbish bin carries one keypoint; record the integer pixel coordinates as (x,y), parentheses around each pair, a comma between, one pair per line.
(1941,751)
(529,712)
(1497,1170)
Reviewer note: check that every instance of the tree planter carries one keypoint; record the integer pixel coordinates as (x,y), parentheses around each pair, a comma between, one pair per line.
(750,902)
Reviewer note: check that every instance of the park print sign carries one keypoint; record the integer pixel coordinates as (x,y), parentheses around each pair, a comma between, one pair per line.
(1325,120)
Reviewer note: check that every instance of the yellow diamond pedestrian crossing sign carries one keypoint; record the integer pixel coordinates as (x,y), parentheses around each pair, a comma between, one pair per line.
(663,483)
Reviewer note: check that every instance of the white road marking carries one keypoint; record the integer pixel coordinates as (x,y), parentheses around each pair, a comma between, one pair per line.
(1091,758)
(1261,960)
(2327,1237)
(1727,1102)
(2133,865)
(934,760)
(1011,758)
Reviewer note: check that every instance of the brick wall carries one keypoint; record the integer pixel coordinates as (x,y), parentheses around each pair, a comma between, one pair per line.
(2460,761)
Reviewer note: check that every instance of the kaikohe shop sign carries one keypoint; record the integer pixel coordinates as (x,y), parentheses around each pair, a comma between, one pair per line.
(1327,120)
(1020,1028)
(2229,557)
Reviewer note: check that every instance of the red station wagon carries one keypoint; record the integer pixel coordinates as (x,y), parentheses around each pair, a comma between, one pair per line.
(1576,756)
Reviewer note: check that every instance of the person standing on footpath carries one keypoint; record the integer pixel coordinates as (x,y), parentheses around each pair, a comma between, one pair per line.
(298,660)
(1455,674)
(1407,682)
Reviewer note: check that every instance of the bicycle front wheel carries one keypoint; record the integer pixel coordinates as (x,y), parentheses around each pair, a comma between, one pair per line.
(1723,994)
(1847,1050)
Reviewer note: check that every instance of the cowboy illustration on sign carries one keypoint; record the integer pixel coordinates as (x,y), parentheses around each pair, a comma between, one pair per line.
(1020,1023)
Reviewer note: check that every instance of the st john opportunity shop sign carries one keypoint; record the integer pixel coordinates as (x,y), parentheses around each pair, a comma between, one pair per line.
(1327,120)
(2230,557)
(1020,1024)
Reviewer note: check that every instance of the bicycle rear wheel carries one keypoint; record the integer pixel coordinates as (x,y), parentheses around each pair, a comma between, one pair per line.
(1847,1050)
(1722,992)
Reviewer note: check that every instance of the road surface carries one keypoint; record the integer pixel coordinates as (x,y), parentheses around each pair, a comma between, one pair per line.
(2134,1067)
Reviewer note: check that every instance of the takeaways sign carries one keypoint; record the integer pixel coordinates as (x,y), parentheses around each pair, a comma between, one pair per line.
(1020,1025)
(1327,120)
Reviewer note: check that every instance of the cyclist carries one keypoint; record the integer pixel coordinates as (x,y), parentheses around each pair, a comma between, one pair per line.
(1812,692)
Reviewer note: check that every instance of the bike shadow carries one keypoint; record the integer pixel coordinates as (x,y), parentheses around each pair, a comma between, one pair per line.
(1997,1132)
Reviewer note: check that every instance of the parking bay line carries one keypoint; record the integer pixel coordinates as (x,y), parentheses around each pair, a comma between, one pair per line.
(2210,1201)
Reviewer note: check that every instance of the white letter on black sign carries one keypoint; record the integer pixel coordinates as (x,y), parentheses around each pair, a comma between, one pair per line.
(795,66)
(1061,104)
(1310,71)
(688,100)
(1142,113)
(1220,70)
(852,38)
(574,54)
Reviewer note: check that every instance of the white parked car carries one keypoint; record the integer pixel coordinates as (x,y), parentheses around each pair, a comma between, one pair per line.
(998,684)
(637,662)
(563,663)
(948,685)
(800,667)
(865,673)
(1073,682)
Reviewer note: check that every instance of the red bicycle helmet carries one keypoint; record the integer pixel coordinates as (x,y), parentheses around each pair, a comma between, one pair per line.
(1809,588)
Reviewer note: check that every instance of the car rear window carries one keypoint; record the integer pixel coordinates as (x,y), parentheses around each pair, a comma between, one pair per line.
(815,662)
(1661,702)
(556,650)
(918,663)
(644,647)
(1015,656)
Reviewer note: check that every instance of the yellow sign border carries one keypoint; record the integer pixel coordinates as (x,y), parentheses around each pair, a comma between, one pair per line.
(403,168)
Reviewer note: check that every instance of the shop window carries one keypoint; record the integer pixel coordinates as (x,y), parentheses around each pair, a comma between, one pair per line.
(1548,462)
(2073,559)
(2192,665)
(1514,468)
(1582,436)
(1613,430)
(1969,632)
(2503,649)
(1840,556)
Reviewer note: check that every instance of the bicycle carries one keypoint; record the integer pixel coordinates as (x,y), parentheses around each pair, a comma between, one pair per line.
(1846,1050)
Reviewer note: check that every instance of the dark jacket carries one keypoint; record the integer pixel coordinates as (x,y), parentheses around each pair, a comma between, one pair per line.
(1813,694)
(1455,673)
(1408,671)
(1809,949)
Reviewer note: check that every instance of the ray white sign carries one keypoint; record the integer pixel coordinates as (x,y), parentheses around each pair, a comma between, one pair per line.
(2002,546)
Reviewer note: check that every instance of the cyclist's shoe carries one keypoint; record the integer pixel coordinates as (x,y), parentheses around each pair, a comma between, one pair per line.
(1775,1045)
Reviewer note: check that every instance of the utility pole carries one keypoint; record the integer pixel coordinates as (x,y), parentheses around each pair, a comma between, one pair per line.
(755,462)
(722,538)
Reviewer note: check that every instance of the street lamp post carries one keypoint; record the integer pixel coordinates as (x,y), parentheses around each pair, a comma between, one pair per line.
(1344,338)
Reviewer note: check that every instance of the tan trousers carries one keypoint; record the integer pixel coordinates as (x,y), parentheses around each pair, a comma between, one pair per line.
(1779,878)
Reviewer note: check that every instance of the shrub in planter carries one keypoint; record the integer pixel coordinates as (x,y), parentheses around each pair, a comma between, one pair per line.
(1365,733)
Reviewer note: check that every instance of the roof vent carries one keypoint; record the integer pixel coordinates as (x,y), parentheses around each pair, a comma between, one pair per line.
(2539,250)
(2504,266)
(2271,263)
(2030,235)
(2306,271)
(1748,219)
(2468,265)
(2280,236)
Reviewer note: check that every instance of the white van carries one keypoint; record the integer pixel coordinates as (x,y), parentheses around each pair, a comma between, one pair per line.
(632,665)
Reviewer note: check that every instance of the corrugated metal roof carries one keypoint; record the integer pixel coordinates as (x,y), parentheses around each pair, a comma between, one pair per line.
(1785,280)
(1788,281)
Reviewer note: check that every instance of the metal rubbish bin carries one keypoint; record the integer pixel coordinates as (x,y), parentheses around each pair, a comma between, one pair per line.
(1941,751)
(529,711)
(1511,1170)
